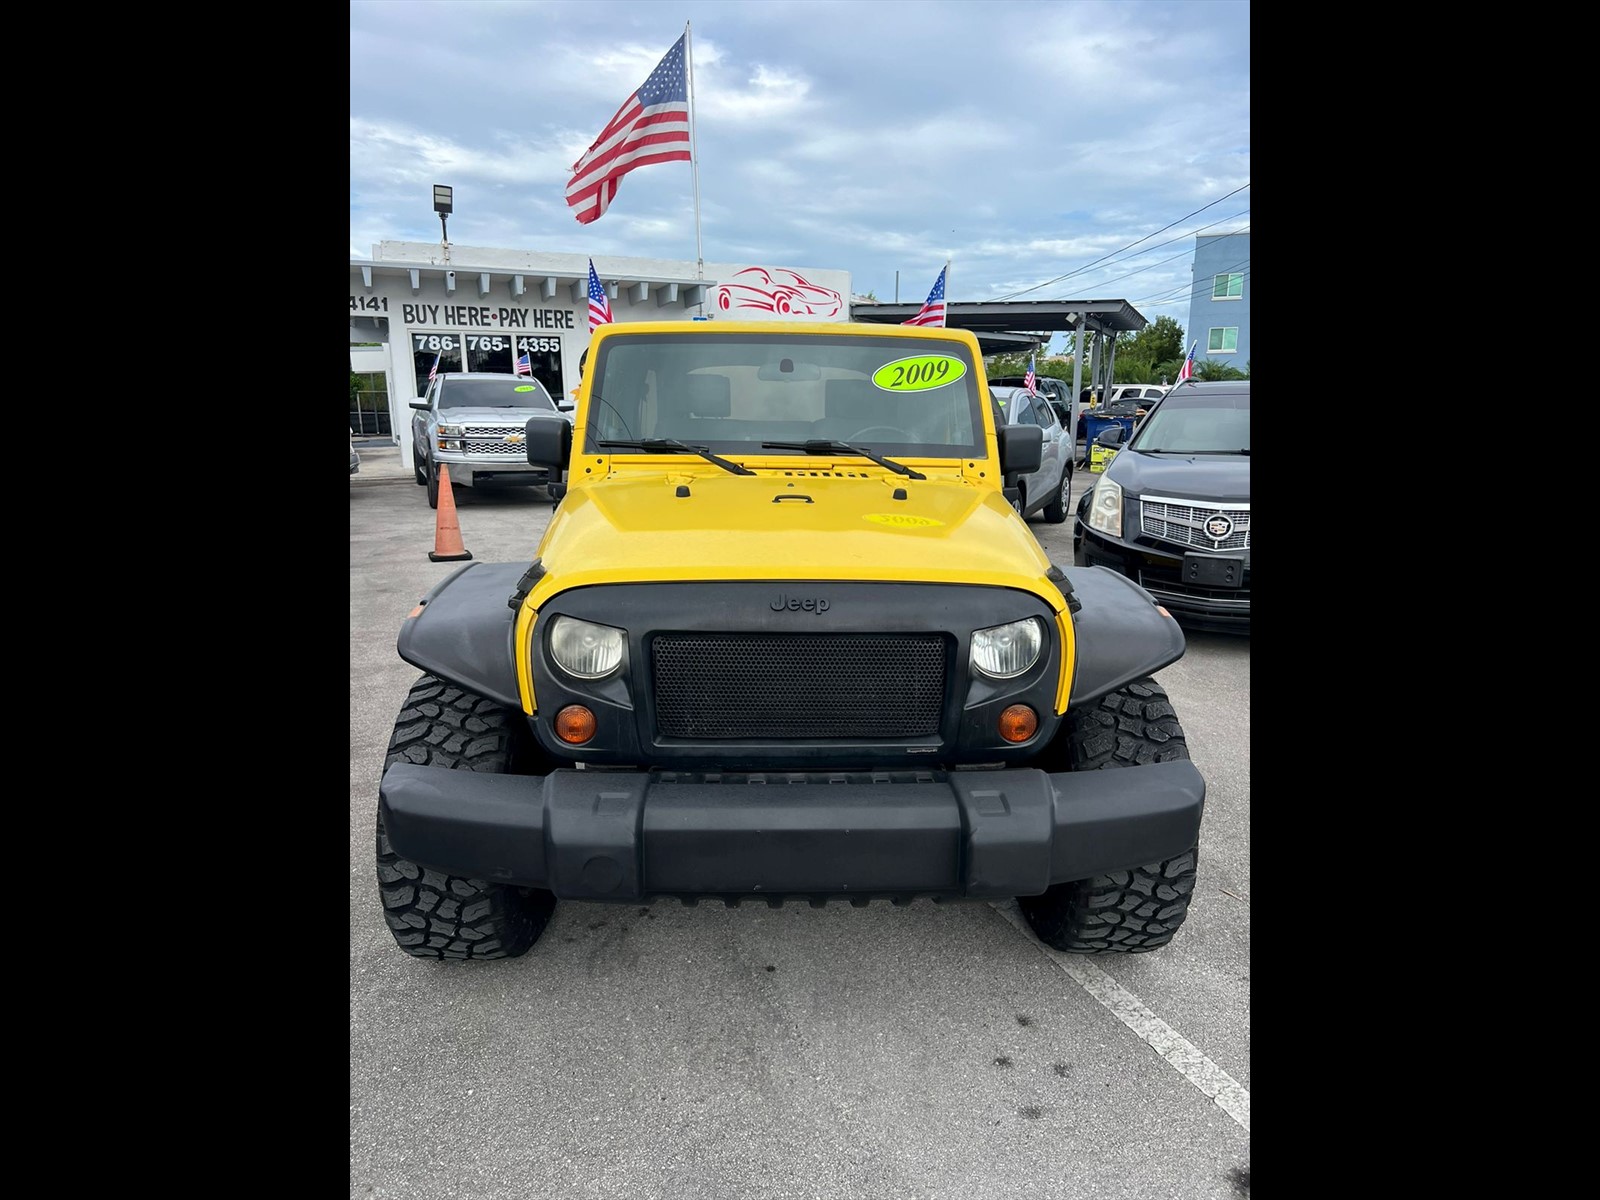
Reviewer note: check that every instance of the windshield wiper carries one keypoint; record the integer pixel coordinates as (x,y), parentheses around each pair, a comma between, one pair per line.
(673,444)
(822,447)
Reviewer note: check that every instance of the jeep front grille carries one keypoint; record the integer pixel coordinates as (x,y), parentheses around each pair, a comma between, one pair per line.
(788,687)
(1184,522)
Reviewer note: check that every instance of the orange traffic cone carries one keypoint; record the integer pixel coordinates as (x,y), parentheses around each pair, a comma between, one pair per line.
(447,545)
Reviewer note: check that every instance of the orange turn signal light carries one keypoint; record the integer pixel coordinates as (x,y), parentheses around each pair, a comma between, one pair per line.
(1018,723)
(575,724)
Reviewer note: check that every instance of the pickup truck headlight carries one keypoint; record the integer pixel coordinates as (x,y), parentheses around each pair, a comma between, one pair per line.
(583,649)
(1006,650)
(450,430)
(1105,509)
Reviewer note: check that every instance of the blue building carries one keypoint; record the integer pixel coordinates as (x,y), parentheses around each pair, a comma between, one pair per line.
(1219,302)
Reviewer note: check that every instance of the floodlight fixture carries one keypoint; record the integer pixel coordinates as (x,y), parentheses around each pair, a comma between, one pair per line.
(443,205)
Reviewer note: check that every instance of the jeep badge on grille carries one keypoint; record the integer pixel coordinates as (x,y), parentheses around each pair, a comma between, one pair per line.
(796,604)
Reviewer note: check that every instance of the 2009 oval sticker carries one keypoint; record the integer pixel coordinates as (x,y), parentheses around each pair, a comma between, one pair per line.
(919,373)
(902,520)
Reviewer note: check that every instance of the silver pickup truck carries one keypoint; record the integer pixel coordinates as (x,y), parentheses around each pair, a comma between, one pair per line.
(475,423)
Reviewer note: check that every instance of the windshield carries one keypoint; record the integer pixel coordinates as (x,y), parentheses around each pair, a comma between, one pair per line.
(733,391)
(1195,422)
(493,391)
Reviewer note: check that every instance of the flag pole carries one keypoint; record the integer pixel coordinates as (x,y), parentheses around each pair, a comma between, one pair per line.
(694,159)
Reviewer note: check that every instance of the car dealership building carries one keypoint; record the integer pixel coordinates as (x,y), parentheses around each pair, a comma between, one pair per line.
(417,305)
(468,308)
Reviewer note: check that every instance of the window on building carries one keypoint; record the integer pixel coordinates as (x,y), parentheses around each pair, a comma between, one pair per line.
(1223,340)
(430,348)
(493,352)
(544,356)
(369,404)
(1228,286)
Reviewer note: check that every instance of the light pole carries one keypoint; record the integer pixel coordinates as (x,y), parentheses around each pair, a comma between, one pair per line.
(442,205)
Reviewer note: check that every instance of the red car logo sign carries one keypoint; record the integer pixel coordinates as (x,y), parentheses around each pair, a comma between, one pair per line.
(782,293)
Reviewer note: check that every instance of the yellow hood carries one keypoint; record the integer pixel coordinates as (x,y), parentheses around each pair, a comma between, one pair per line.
(761,526)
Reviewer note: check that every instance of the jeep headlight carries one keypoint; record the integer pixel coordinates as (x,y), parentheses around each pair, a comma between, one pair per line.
(583,649)
(1105,508)
(1007,650)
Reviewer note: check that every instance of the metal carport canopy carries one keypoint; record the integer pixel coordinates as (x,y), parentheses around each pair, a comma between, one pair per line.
(1025,320)
(1010,326)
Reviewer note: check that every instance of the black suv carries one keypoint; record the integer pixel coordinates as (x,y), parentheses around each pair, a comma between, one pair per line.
(1172,509)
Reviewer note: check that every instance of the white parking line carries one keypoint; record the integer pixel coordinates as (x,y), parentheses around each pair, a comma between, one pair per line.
(1199,1070)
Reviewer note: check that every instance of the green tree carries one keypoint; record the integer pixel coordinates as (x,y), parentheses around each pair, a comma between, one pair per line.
(1211,371)
(1152,352)
(1001,365)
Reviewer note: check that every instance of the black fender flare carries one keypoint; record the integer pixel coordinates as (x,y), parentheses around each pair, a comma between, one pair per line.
(464,632)
(1120,633)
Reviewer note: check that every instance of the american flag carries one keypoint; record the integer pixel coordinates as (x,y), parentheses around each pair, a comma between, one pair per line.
(433,371)
(599,306)
(932,312)
(652,126)
(1029,380)
(524,367)
(1187,370)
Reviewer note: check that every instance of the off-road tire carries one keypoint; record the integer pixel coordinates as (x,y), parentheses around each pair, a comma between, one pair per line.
(1056,511)
(433,914)
(433,485)
(1132,911)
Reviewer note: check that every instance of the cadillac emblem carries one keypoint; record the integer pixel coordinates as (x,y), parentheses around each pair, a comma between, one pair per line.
(1218,526)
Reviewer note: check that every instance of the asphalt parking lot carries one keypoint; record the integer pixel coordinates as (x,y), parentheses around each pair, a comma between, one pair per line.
(706,1052)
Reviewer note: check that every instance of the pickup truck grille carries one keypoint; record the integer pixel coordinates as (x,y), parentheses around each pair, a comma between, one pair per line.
(1184,522)
(491,439)
(798,687)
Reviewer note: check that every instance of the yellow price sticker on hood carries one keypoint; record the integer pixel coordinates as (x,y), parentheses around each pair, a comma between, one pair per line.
(902,520)
(523,387)
(919,373)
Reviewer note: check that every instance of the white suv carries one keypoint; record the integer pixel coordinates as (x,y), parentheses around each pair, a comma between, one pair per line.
(1145,394)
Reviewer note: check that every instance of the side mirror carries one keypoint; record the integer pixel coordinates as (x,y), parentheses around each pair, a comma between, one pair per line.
(1021,449)
(549,441)
(1111,435)
(420,404)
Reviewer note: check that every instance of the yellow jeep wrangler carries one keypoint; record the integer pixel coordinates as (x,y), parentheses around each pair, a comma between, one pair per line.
(784,638)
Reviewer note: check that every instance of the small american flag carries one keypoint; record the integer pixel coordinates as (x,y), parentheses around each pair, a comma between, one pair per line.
(433,371)
(524,367)
(599,306)
(652,126)
(1187,370)
(932,312)
(1030,379)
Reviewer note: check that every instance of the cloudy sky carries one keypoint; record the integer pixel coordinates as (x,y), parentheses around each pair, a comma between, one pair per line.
(1050,149)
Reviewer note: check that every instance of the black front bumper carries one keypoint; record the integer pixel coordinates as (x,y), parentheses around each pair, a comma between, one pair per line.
(627,835)
(1160,572)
